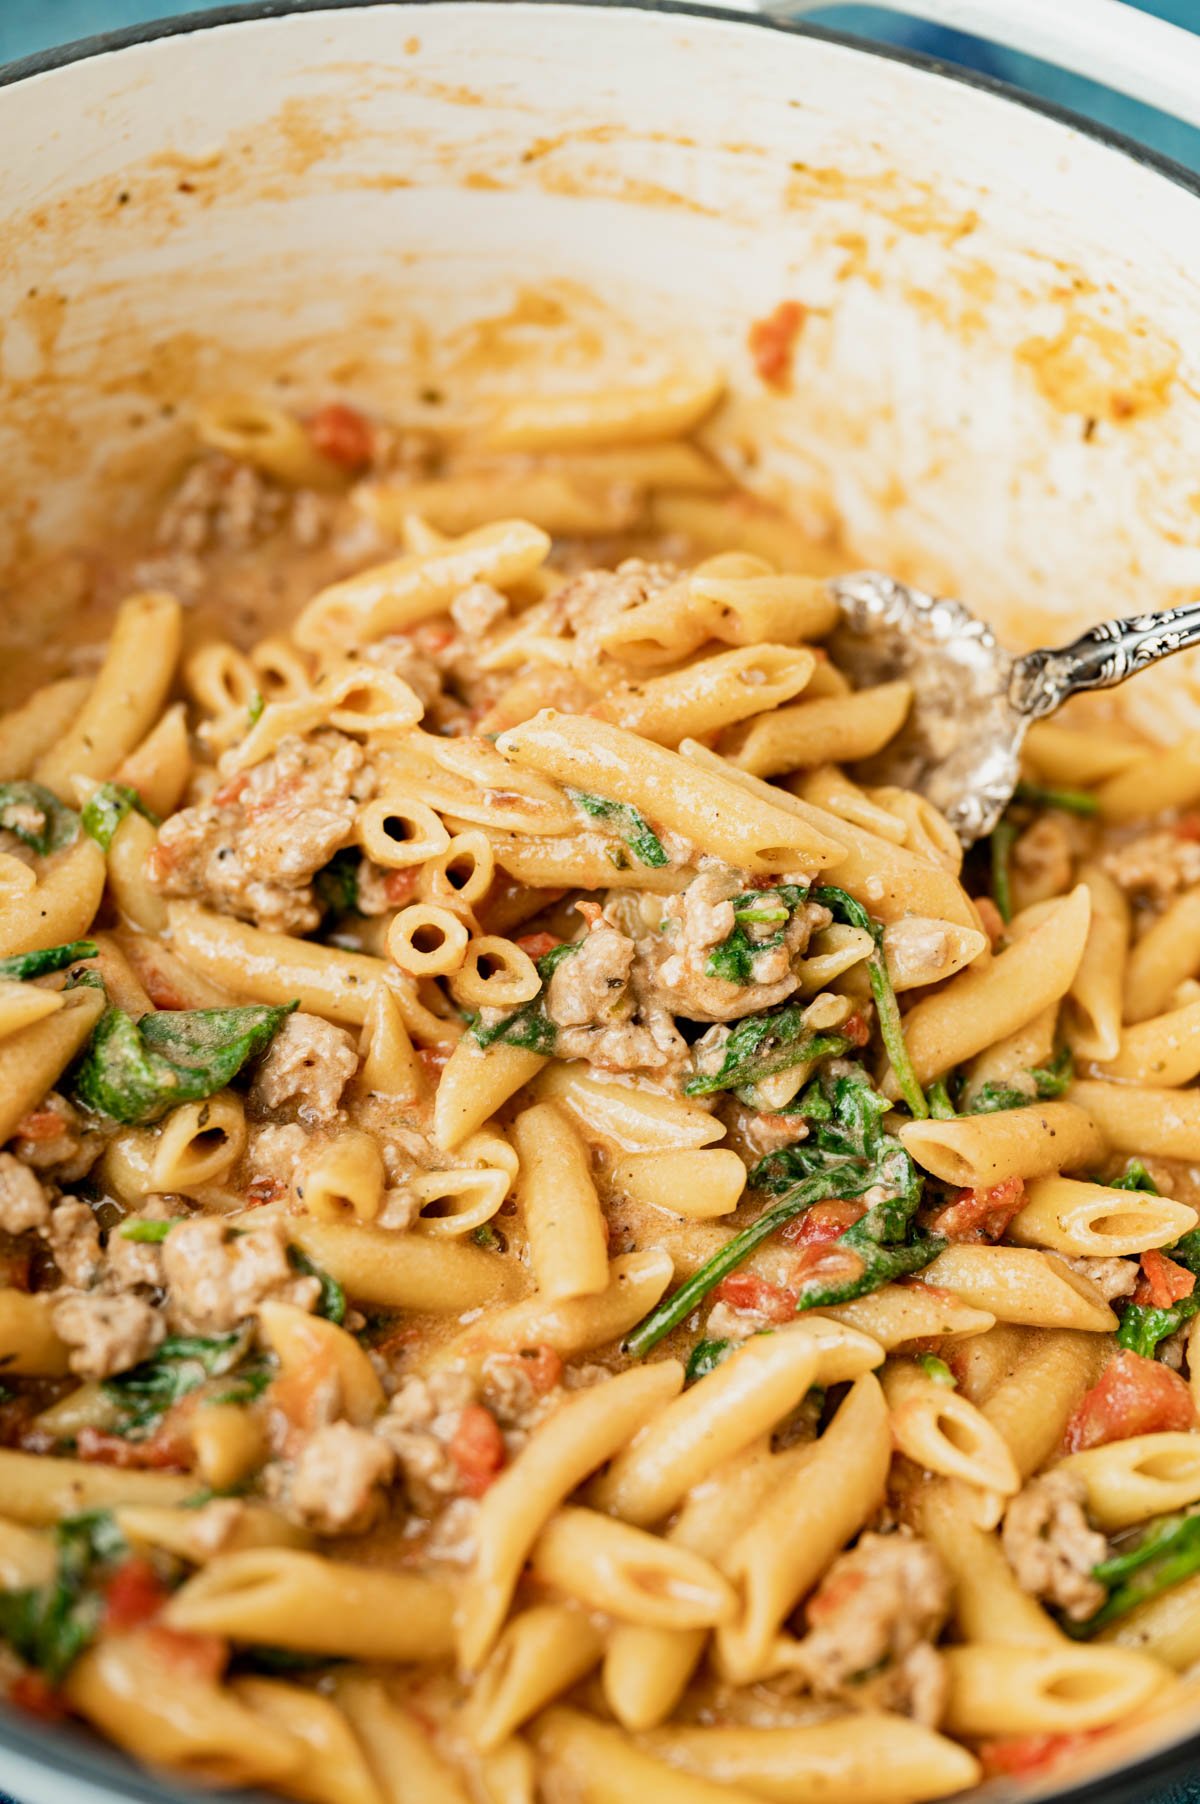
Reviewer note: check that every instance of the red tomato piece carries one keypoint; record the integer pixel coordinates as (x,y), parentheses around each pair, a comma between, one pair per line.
(1023,1754)
(133,1595)
(990,918)
(32,1691)
(343,435)
(742,1290)
(477,1449)
(1163,1281)
(1134,1396)
(856,1030)
(40,1124)
(823,1222)
(981,1214)
(398,886)
(771,340)
(1187,826)
(537,944)
(164,1450)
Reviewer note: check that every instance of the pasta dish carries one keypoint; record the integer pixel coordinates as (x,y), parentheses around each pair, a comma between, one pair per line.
(557,1239)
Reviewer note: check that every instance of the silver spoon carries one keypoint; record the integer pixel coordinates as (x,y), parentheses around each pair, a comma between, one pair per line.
(973,702)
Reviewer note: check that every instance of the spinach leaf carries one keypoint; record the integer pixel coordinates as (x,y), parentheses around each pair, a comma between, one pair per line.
(143,1395)
(134,1071)
(107,807)
(846,1156)
(1049,1081)
(255,708)
(24,965)
(761,1045)
(332,1301)
(845,908)
(49,1626)
(145,1233)
(937,1371)
(1143,1326)
(37,817)
(1073,801)
(486,1236)
(1166,1554)
(337,884)
(633,827)
(734,958)
(529,1026)
(938,1098)
(1136,1177)
(1003,837)
(705,1357)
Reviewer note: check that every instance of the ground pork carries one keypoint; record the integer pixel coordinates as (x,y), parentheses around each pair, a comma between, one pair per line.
(23,1200)
(476,609)
(306,1067)
(604,1003)
(1112,1277)
(107,1334)
(702,918)
(273,1155)
(333,1486)
(404,657)
(128,1263)
(1050,1547)
(591,601)
(220,504)
(418,1425)
(253,850)
(53,1140)
(882,1604)
(216,1280)
(1042,860)
(1156,865)
(73,1235)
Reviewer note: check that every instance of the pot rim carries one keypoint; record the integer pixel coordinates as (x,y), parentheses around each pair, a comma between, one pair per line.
(68,1752)
(60,56)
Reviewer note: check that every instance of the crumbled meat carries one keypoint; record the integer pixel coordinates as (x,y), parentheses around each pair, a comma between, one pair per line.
(107,1334)
(702,919)
(307,1066)
(334,1484)
(216,1280)
(592,600)
(74,1239)
(1156,865)
(1050,1547)
(273,1155)
(404,657)
(399,1209)
(419,1424)
(521,1389)
(918,950)
(881,1605)
(1112,1277)
(220,504)
(53,1140)
(476,610)
(23,1201)
(604,1003)
(254,849)
(1042,859)
(452,1536)
(128,1263)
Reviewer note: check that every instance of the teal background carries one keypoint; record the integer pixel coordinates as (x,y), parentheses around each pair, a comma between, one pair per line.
(27,26)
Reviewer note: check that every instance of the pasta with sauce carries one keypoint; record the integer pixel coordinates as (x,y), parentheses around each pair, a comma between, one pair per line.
(550,1233)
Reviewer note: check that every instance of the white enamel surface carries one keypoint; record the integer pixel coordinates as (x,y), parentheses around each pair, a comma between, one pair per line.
(364,180)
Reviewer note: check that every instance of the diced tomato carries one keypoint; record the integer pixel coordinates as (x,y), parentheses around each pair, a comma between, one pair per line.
(162,991)
(990,918)
(1134,1396)
(264,1190)
(437,638)
(1163,1281)
(274,800)
(542,1366)
(856,1030)
(133,1595)
(299,1396)
(194,1656)
(40,1124)
(398,886)
(1187,826)
(477,1449)
(833,1595)
(15,1264)
(981,1214)
(828,1262)
(433,1058)
(771,340)
(742,1290)
(231,792)
(33,1692)
(165,1450)
(823,1222)
(343,435)
(537,944)
(1018,1755)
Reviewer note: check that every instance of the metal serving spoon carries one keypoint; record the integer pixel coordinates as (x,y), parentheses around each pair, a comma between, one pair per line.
(973,702)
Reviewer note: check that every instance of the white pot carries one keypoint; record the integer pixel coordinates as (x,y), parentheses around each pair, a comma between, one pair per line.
(997,388)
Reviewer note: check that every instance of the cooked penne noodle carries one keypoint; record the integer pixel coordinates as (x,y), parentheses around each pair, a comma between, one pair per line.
(980,1151)
(565,1226)
(403,1271)
(1163,1050)
(696,1185)
(602,1766)
(1033,1405)
(1017,1284)
(635,1118)
(1159,1124)
(27,733)
(989,1604)
(1131,1480)
(1167,953)
(629,1574)
(1006,1690)
(570,421)
(60,906)
(943,1432)
(1153,784)
(39,1490)
(1088,1221)
(34,1058)
(542,1653)
(334,1769)
(1096,989)
(712,693)
(839,729)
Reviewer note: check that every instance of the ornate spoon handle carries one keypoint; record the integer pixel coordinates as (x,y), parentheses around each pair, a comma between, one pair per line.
(1106,654)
